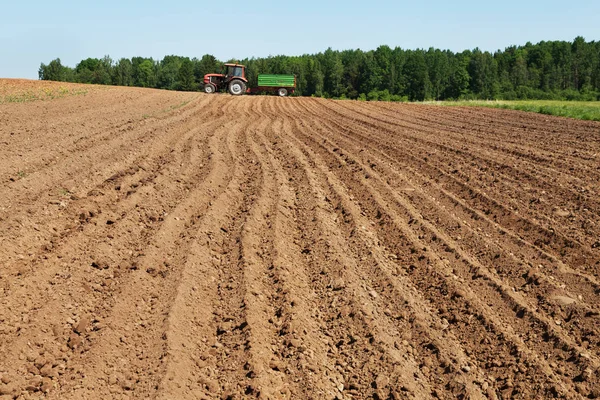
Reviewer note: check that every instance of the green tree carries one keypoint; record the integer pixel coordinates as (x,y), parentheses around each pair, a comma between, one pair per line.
(186,80)
(561,53)
(105,71)
(168,72)
(351,60)
(54,71)
(582,63)
(145,74)
(85,70)
(458,79)
(383,58)
(370,77)
(595,54)
(437,65)
(314,79)
(123,73)
(483,73)
(416,76)
(94,70)
(333,73)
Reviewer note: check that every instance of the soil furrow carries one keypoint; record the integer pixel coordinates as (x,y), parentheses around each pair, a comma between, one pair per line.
(547,289)
(540,187)
(207,324)
(301,347)
(506,141)
(451,287)
(521,274)
(89,286)
(548,239)
(153,289)
(169,245)
(501,166)
(397,313)
(58,196)
(401,381)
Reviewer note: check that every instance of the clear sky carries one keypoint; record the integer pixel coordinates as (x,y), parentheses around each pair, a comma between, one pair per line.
(35,31)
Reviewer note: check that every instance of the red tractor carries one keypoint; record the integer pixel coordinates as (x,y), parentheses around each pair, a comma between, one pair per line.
(234,79)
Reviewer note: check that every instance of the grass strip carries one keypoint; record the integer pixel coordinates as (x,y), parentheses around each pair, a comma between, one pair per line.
(583,110)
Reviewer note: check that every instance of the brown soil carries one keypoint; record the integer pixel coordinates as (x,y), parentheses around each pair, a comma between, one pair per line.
(186,246)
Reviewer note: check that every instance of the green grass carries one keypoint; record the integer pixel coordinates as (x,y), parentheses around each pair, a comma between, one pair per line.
(64,192)
(41,94)
(166,110)
(585,110)
(176,106)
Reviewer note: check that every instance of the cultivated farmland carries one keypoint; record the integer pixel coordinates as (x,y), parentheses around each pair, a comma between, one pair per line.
(177,245)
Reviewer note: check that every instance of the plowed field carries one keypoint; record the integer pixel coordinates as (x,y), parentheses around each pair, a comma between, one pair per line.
(186,246)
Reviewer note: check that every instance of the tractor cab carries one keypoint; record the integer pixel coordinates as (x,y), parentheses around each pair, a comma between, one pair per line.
(235,70)
(233,79)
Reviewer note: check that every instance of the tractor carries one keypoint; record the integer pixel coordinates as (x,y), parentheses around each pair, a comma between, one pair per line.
(234,80)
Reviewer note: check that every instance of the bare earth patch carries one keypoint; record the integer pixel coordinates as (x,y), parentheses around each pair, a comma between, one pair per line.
(175,245)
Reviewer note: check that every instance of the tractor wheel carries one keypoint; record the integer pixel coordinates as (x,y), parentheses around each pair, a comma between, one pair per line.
(282,92)
(237,87)
(209,88)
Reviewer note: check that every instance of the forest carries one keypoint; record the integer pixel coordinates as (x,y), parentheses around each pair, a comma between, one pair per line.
(548,70)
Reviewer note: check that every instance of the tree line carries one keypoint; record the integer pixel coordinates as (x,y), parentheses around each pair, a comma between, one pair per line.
(547,70)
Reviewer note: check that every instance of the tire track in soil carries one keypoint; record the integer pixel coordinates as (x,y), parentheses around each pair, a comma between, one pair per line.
(226,354)
(271,300)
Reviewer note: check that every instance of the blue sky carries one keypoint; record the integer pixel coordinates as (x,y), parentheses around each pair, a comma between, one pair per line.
(34,31)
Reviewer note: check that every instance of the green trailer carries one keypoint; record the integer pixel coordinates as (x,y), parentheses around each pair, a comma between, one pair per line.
(281,84)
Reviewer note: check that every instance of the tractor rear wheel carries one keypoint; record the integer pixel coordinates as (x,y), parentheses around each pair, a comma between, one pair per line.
(282,92)
(237,87)
(209,88)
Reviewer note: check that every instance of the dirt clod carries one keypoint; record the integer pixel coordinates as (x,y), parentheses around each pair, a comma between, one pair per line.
(82,325)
